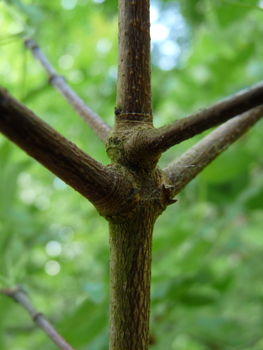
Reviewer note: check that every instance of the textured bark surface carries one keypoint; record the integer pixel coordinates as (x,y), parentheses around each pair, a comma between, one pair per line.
(192,162)
(132,191)
(159,140)
(130,265)
(130,270)
(51,149)
(108,189)
(131,235)
(134,74)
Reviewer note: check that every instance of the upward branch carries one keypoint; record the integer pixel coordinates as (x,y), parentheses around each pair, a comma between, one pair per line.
(134,98)
(133,112)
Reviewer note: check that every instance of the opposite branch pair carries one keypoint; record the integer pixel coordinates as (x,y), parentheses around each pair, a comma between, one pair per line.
(161,139)
(98,183)
(111,188)
(89,177)
(18,295)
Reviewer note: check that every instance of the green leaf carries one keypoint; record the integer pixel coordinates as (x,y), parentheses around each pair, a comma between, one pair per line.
(91,321)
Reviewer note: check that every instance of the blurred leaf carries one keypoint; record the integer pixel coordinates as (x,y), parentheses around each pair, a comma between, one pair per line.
(90,320)
(198,299)
(229,12)
(95,290)
(194,10)
(33,12)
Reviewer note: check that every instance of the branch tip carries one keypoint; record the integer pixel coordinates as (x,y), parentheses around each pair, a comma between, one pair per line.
(30,44)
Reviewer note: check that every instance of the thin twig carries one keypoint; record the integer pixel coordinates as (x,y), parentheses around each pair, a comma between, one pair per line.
(192,162)
(100,128)
(159,140)
(20,297)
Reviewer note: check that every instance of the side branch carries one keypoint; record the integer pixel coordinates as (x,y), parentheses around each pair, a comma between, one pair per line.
(100,128)
(159,140)
(192,162)
(20,297)
(87,176)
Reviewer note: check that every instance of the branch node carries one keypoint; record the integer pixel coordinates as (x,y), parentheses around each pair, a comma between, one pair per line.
(140,117)
(36,315)
(18,294)
(54,77)
(30,44)
(117,111)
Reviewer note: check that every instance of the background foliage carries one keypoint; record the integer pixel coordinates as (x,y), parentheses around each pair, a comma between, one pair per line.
(207,288)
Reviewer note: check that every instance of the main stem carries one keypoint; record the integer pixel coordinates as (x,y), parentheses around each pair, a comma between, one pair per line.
(134,73)
(131,234)
(130,268)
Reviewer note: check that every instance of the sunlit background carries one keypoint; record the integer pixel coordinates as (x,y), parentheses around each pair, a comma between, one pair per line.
(207,278)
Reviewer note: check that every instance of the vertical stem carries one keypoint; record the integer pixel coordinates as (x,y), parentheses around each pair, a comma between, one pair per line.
(134,73)
(131,234)
(130,270)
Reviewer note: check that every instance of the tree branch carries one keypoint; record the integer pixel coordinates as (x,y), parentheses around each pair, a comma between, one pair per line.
(192,162)
(20,297)
(87,176)
(133,112)
(100,128)
(134,97)
(159,140)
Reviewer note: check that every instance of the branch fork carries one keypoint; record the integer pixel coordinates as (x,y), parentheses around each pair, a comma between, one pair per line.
(132,191)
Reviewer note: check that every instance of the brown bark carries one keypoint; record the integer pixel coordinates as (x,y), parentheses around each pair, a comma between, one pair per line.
(133,112)
(131,235)
(105,187)
(131,192)
(159,140)
(130,264)
(192,162)
(130,271)
(134,98)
